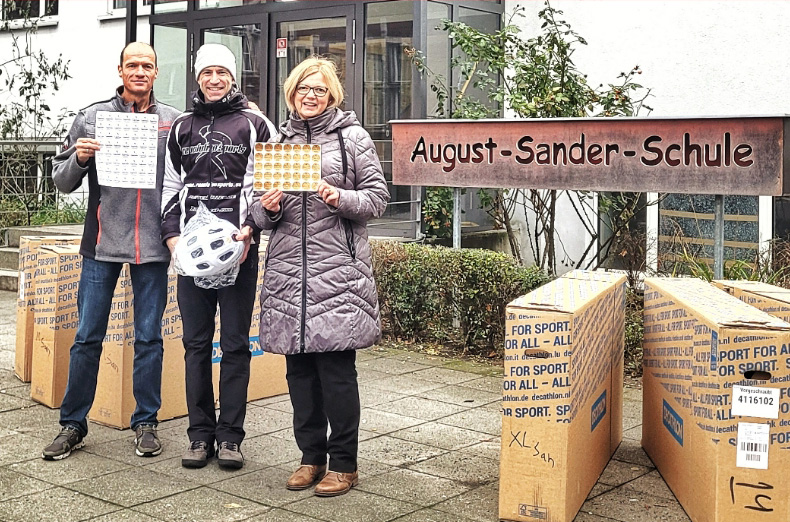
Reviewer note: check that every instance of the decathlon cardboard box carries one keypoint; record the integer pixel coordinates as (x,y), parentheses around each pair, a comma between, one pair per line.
(55,323)
(561,414)
(771,299)
(114,402)
(26,302)
(716,416)
(267,370)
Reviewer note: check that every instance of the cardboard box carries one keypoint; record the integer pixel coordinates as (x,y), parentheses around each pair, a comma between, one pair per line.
(25,310)
(773,300)
(712,364)
(55,324)
(562,394)
(114,403)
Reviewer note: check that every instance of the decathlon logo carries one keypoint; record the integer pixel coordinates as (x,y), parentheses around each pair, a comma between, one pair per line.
(598,411)
(673,422)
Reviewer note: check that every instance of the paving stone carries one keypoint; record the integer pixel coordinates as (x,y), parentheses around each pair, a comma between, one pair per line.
(14,484)
(633,506)
(489,384)
(8,402)
(397,452)
(382,422)
(9,380)
(631,451)
(288,434)
(122,450)
(271,401)
(489,449)
(130,487)
(354,506)
(631,421)
(268,450)
(599,489)
(367,376)
(22,391)
(36,421)
(634,433)
(390,365)
(443,436)
(652,484)
(462,466)
(420,407)
(80,465)
(408,382)
(420,357)
(431,515)
(462,396)
(486,420)
(412,486)
(370,396)
(480,504)
(617,472)
(54,505)
(125,514)
(583,516)
(445,375)
(192,477)
(203,505)
(265,486)
(17,448)
(262,420)
(281,515)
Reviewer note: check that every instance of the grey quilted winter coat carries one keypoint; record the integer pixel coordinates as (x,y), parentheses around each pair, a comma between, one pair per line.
(318,290)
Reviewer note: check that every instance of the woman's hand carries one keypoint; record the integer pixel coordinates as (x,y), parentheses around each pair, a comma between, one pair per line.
(271,200)
(245,234)
(330,194)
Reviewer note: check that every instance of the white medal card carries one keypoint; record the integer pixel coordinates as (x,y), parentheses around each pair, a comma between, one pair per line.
(128,144)
(753,442)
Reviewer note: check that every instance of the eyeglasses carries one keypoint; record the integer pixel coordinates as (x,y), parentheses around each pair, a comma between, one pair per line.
(320,92)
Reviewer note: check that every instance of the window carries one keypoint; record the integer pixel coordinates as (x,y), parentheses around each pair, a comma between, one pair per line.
(121,4)
(24,9)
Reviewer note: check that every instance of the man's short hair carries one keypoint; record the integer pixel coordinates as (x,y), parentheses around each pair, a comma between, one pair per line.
(123,51)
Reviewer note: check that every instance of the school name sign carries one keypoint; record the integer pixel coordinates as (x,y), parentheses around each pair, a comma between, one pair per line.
(738,155)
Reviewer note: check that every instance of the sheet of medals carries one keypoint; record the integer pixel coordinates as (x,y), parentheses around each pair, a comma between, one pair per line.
(287,166)
(128,144)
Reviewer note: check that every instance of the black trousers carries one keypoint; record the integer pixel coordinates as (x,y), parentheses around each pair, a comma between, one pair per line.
(324,392)
(198,308)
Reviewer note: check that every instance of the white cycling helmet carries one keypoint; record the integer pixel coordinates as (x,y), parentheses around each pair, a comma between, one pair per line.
(209,249)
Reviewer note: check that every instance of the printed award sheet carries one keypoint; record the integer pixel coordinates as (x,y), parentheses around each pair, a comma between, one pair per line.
(128,149)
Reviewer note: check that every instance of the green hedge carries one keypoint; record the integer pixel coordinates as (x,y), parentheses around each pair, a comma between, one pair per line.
(423,288)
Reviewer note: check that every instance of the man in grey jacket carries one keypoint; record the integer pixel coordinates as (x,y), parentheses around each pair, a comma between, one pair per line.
(121,226)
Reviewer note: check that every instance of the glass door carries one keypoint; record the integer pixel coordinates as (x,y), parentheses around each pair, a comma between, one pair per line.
(245,38)
(327,33)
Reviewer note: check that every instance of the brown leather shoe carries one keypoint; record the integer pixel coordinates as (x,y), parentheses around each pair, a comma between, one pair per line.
(335,484)
(305,476)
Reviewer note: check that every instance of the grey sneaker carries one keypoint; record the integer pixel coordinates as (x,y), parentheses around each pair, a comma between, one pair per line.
(229,456)
(68,440)
(146,441)
(197,455)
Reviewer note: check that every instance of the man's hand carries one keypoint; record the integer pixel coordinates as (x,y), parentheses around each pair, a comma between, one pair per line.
(329,193)
(86,149)
(246,236)
(271,200)
(171,244)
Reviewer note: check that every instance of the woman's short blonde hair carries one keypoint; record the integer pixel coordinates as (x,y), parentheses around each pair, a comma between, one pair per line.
(310,66)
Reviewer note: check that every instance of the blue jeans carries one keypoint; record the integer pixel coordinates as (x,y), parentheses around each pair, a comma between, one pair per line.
(97,285)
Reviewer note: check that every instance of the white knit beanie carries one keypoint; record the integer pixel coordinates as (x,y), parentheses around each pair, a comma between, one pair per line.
(215,55)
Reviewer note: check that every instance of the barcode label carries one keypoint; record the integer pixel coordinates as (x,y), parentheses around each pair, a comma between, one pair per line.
(753,444)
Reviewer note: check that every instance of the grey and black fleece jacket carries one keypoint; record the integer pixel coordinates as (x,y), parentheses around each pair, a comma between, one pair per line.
(122,224)
(210,159)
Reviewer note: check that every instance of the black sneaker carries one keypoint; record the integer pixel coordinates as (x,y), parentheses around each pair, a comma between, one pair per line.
(68,440)
(229,456)
(197,455)
(146,441)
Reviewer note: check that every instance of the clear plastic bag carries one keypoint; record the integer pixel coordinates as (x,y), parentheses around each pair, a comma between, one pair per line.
(202,218)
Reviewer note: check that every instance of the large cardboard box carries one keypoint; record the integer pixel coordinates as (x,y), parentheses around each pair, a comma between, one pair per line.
(773,300)
(55,323)
(26,302)
(716,414)
(562,397)
(114,402)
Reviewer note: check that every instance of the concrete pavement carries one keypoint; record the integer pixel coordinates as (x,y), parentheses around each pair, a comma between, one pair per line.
(429,449)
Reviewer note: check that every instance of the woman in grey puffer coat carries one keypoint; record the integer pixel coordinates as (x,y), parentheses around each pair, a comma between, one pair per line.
(319,301)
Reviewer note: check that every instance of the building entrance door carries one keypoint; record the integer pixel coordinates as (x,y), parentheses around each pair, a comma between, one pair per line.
(326,32)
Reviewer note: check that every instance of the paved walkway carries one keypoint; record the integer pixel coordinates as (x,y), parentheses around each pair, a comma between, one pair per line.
(428,453)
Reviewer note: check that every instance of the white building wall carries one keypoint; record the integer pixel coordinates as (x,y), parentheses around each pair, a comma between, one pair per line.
(699,57)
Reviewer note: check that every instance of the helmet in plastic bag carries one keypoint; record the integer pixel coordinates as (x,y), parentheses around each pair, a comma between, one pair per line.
(209,249)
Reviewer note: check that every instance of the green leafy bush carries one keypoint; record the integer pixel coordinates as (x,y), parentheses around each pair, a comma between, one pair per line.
(431,293)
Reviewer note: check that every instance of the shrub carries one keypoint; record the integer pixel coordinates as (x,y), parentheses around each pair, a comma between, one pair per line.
(432,293)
